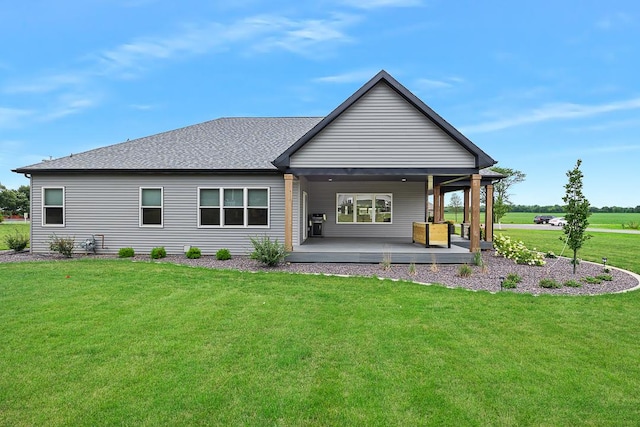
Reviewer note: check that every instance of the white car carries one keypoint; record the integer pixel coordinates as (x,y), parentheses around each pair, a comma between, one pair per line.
(560,222)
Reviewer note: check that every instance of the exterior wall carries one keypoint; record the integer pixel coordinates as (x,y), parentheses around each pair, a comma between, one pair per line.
(408,205)
(109,205)
(382,130)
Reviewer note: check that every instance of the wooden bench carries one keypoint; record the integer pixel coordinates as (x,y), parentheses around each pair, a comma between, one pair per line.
(429,234)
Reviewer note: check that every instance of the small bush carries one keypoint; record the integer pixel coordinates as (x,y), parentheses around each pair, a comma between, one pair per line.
(633,225)
(63,245)
(268,252)
(605,277)
(126,253)
(413,269)
(549,284)
(223,254)
(16,241)
(477,259)
(572,284)
(465,270)
(509,284)
(550,255)
(193,253)
(516,250)
(514,277)
(159,252)
(592,280)
(386,261)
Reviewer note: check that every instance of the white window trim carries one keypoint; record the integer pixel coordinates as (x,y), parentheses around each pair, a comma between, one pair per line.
(64,208)
(140,216)
(355,202)
(245,207)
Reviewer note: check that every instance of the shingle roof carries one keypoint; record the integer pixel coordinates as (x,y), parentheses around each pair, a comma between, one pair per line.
(222,144)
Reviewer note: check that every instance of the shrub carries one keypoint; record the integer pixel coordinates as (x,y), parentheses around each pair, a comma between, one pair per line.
(412,269)
(634,225)
(126,253)
(477,259)
(193,253)
(514,277)
(549,284)
(63,245)
(551,255)
(516,250)
(386,261)
(158,252)
(16,241)
(605,277)
(572,283)
(592,280)
(223,254)
(508,284)
(268,252)
(465,270)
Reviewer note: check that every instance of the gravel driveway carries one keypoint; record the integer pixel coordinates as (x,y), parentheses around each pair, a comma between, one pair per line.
(485,278)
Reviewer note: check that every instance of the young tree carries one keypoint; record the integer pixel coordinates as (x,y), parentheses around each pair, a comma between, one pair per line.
(455,203)
(502,204)
(576,212)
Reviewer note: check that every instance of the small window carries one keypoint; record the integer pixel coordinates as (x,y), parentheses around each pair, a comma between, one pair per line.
(151,207)
(209,207)
(53,206)
(258,206)
(234,206)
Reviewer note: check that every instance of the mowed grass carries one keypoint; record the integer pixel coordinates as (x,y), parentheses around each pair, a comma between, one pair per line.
(7,228)
(596,220)
(112,342)
(621,250)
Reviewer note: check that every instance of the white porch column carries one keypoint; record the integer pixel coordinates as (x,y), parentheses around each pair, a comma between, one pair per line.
(475,214)
(288,212)
(488,216)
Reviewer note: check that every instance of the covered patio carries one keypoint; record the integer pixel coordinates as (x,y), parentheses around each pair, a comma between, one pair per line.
(377,249)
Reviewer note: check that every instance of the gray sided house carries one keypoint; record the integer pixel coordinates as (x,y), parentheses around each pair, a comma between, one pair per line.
(372,167)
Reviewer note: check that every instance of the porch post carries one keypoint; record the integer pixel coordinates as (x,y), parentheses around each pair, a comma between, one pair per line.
(475,214)
(288,212)
(488,215)
(466,213)
(436,204)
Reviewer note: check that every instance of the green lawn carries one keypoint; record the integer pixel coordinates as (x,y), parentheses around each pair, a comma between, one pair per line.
(621,250)
(8,228)
(596,220)
(114,342)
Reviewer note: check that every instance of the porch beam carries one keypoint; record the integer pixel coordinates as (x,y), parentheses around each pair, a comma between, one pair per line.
(474,244)
(288,212)
(488,217)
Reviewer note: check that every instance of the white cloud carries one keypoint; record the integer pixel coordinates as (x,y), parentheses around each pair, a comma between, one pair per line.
(375,4)
(554,112)
(68,105)
(359,76)
(614,21)
(47,83)
(10,117)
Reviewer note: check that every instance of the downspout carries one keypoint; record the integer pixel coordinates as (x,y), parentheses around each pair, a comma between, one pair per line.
(28,176)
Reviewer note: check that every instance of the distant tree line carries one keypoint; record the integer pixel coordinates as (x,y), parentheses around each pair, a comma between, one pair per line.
(14,202)
(559,208)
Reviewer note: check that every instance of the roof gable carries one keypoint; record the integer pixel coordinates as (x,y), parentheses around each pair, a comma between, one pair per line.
(480,157)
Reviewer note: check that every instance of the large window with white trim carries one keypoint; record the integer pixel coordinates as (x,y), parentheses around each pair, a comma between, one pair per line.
(364,208)
(233,207)
(151,207)
(53,206)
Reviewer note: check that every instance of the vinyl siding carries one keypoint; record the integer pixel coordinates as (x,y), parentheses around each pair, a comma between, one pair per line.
(109,205)
(408,205)
(382,130)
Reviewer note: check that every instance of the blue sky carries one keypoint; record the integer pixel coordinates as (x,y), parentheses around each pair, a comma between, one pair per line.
(536,85)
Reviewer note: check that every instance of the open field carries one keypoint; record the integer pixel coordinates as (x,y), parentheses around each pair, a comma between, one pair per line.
(596,220)
(104,342)
(621,250)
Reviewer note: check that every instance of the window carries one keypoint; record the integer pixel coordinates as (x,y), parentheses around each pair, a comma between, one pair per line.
(53,206)
(151,207)
(233,207)
(363,208)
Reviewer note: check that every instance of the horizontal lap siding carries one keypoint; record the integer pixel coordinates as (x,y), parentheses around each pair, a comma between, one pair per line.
(382,130)
(109,205)
(408,205)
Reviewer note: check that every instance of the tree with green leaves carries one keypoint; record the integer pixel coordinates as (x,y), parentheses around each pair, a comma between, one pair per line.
(455,203)
(502,204)
(577,211)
